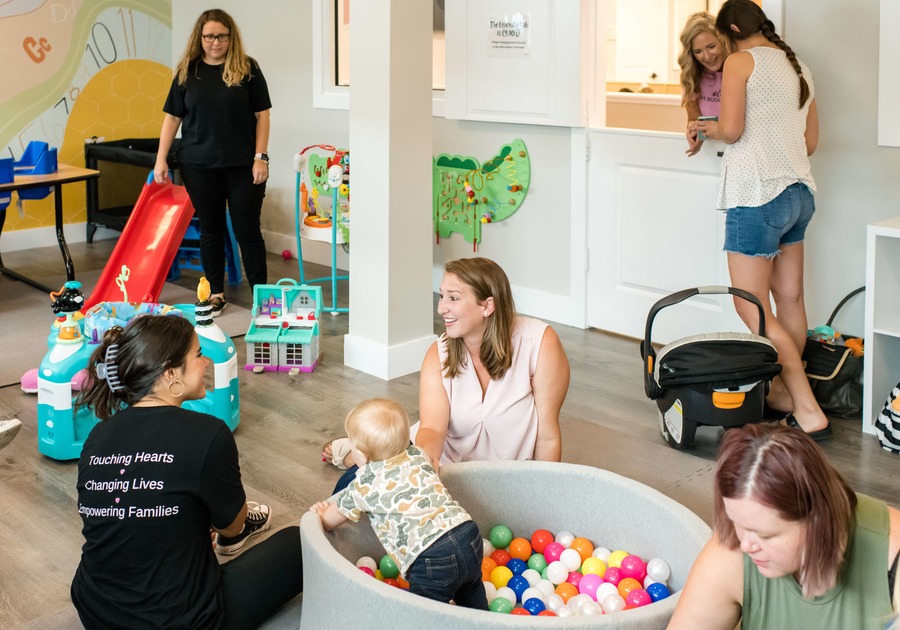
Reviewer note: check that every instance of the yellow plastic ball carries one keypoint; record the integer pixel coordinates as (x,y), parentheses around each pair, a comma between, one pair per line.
(593,565)
(615,558)
(500,576)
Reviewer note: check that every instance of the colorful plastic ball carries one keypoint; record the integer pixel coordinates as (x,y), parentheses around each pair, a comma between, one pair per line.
(501,605)
(538,562)
(500,576)
(633,567)
(516,566)
(540,539)
(506,593)
(570,558)
(613,575)
(574,578)
(602,553)
(605,590)
(518,584)
(637,598)
(590,608)
(577,601)
(520,611)
(546,587)
(626,585)
(566,591)
(583,546)
(554,602)
(532,592)
(392,582)
(490,591)
(612,603)
(286,254)
(520,548)
(615,558)
(557,572)
(488,564)
(659,570)
(532,576)
(589,585)
(546,613)
(565,538)
(367,571)
(553,551)
(388,567)
(593,565)
(534,606)
(501,557)
(501,536)
(403,583)
(565,611)
(658,591)
(487,547)
(648,581)
(378,575)
(367,561)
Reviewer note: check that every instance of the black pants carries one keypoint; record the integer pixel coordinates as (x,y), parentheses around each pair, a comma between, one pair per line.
(212,191)
(263,578)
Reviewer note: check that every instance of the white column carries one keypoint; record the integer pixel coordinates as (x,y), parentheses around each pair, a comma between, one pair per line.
(391,322)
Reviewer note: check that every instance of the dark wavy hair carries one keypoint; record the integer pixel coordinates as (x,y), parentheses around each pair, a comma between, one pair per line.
(148,346)
(784,469)
(750,19)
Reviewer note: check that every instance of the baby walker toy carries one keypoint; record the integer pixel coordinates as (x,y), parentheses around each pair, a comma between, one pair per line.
(320,178)
(62,431)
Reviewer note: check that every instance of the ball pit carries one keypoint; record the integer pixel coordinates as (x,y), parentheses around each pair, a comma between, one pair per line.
(586,502)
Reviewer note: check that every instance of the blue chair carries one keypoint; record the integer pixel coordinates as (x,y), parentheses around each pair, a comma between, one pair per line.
(38,159)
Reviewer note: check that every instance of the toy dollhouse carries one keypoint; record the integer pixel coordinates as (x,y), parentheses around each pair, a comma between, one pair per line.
(284,332)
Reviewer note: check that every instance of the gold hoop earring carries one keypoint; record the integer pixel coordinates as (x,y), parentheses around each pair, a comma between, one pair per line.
(179,394)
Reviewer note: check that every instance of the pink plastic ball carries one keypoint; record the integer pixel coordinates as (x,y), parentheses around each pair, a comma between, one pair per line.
(613,575)
(574,577)
(633,567)
(589,585)
(367,571)
(637,598)
(553,551)
(286,254)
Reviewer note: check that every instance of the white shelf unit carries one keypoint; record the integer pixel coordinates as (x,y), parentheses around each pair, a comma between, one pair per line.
(882,355)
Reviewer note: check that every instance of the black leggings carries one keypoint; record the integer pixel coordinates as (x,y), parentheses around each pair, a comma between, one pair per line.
(211,191)
(263,578)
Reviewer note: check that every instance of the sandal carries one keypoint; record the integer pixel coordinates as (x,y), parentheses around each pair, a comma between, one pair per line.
(340,448)
(818,436)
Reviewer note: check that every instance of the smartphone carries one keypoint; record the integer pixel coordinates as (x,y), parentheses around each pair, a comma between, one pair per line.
(700,135)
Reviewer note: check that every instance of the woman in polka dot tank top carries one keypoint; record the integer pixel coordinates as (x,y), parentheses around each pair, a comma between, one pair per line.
(768,120)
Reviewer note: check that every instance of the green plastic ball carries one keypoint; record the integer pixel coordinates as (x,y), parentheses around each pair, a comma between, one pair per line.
(537,562)
(501,536)
(501,605)
(388,567)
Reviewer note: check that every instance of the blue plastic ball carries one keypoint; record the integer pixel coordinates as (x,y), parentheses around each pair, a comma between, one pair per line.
(518,584)
(516,566)
(658,591)
(534,605)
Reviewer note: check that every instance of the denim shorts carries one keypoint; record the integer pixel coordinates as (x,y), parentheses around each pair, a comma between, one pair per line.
(451,568)
(762,230)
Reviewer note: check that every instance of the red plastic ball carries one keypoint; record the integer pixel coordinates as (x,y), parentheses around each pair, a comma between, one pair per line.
(520,611)
(546,613)
(286,254)
(540,539)
(501,557)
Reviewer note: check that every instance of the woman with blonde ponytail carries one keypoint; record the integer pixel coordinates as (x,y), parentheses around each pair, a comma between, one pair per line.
(768,120)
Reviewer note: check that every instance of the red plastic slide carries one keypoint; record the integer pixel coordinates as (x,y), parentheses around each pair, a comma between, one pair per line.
(140,262)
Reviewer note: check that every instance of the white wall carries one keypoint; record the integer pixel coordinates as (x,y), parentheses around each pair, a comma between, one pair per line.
(858,181)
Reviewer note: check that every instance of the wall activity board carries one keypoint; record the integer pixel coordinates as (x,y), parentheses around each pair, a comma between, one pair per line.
(468,195)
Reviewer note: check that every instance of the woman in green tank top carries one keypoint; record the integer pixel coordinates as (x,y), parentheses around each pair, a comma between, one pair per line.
(793,546)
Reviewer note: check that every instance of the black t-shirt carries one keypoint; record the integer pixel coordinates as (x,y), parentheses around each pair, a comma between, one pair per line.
(151,481)
(218,127)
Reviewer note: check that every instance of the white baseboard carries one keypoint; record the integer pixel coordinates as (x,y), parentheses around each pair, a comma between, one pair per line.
(382,361)
(33,238)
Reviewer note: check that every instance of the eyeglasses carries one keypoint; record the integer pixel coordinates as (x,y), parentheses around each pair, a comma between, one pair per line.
(223,37)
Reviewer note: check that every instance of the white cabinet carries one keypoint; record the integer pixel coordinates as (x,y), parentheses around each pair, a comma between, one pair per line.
(882,354)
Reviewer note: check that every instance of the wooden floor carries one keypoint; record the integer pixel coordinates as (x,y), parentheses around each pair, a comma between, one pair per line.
(606,422)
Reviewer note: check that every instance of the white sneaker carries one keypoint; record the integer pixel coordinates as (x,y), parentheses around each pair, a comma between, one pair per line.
(257,522)
(8,430)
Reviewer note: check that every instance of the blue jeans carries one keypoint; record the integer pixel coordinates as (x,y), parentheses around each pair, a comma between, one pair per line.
(451,569)
(346,479)
(762,230)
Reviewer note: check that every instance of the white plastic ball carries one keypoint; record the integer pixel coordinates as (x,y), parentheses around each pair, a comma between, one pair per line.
(546,587)
(565,538)
(507,593)
(591,608)
(577,601)
(570,558)
(602,553)
(490,591)
(649,580)
(605,590)
(658,569)
(564,611)
(557,572)
(488,547)
(532,576)
(613,603)
(555,602)
(536,593)
(367,562)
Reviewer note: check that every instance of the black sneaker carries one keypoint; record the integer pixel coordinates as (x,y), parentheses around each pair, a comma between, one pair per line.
(257,522)
(218,305)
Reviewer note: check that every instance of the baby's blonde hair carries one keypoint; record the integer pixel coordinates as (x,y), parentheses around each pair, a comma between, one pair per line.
(378,428)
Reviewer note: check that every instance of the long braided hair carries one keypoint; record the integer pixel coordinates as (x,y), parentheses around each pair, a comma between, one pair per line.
(750,19)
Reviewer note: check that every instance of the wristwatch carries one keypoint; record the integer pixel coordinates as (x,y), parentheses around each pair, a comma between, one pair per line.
(262,157)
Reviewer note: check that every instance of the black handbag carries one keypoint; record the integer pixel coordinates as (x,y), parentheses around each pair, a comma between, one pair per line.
(834,373)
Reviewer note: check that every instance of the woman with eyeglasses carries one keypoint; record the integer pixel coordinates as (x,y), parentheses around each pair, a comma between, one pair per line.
(220,100)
